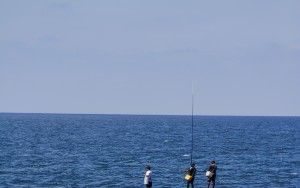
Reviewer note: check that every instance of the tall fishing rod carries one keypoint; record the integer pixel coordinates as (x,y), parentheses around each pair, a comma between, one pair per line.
(192,144)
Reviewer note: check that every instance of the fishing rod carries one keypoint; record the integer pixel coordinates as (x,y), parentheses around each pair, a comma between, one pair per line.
(192,144)
(190,173)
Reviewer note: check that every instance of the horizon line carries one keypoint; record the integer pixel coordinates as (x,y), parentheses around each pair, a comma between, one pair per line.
(131,114)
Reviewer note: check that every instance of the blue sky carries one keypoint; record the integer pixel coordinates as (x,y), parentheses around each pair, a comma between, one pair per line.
(142,57)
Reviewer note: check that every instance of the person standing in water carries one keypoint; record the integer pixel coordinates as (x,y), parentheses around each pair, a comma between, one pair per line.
(192,172)
(148,177)
(212,178)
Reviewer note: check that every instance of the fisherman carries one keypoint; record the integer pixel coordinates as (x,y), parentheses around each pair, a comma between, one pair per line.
(148,178)
(191,173)
(212,175)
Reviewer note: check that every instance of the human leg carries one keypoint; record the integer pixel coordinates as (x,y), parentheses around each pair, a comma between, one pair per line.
(187,184)
(213,181)
(208,182)
(213,184)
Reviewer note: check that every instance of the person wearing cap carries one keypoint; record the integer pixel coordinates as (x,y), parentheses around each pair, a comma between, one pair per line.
(212,178)
(148,177)
(192,172)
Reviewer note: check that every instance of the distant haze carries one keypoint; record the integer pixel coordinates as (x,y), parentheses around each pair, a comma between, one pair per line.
(142,57)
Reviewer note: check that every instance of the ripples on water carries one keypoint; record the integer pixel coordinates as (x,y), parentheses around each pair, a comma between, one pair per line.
(48,150)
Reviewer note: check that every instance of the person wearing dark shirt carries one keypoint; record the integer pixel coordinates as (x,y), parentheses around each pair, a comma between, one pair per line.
(192,172)
(213,169)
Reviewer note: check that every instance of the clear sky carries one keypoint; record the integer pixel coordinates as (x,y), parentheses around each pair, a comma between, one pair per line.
(142,57)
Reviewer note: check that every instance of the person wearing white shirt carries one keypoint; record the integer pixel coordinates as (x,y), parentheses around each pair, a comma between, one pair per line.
(148,177)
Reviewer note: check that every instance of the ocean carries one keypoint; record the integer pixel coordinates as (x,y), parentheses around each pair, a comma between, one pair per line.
(59,150)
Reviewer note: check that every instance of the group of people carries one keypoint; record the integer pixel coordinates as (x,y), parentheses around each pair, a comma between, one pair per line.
(211,174)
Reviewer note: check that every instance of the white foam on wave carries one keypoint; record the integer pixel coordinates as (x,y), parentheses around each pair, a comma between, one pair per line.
(186,155)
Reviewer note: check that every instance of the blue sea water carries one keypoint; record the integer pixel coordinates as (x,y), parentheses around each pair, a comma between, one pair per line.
(55,150)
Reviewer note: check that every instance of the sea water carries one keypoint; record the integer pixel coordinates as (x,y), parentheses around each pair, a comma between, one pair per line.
(56,150)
